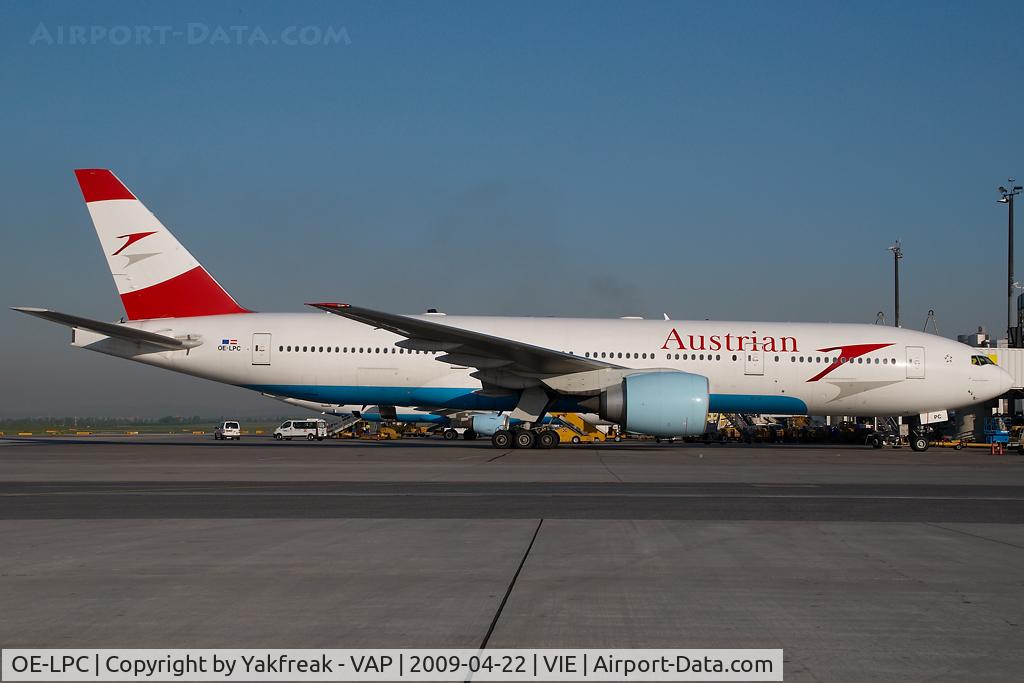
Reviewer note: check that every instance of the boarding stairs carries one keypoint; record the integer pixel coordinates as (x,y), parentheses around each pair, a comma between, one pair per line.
(561,422)
(346,422)
(744,424)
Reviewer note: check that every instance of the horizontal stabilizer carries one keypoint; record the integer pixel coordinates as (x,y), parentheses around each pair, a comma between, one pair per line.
(110,329)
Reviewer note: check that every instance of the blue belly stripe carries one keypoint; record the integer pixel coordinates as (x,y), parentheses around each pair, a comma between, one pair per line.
(756,404)
(464,398)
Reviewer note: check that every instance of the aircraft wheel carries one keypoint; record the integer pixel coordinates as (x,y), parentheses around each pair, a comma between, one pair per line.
(450,434)
(469,435)
(547,439)
(576,439)
(919,443)
(502,439)
(523,438)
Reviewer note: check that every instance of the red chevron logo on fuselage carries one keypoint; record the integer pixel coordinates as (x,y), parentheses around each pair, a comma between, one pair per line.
(132,239)
(846,354)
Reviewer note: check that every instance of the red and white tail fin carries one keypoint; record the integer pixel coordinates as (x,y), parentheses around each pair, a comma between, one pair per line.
(155,276)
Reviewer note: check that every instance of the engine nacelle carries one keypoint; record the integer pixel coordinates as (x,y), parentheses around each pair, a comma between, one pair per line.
(658,403)
(485,424)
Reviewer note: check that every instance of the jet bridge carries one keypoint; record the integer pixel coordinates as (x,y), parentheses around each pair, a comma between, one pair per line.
(1011,360)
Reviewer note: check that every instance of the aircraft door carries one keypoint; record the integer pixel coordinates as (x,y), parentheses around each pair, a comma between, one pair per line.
(753,363)
(915,362)
(261,348)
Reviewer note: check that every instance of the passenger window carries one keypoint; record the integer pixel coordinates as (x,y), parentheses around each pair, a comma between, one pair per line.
(305,348)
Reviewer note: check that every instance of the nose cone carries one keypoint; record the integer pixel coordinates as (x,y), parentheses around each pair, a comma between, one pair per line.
(1005,381)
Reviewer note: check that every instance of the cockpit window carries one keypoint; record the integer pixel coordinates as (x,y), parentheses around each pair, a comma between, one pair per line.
(982,360)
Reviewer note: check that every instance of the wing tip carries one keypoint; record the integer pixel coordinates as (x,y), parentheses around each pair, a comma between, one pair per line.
(326,305)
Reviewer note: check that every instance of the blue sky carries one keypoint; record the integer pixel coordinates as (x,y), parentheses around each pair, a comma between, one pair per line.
(717,159)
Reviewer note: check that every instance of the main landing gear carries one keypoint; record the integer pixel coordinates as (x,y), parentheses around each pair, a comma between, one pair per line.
(525,438)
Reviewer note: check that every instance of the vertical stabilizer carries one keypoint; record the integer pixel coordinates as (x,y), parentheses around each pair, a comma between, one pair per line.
(155,275)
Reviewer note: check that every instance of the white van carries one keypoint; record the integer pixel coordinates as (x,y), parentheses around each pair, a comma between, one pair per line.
(228,430)
(302,429)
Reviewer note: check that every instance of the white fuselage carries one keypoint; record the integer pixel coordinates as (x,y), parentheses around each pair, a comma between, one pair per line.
(783,368)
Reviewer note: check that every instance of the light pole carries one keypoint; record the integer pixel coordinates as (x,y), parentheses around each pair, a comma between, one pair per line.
(1006,197)
(897,256)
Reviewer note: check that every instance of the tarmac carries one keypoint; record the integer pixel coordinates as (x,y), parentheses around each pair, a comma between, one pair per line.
(860,564)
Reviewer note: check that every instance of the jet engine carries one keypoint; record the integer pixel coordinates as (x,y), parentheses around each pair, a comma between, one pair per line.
(485,424)
(658,403)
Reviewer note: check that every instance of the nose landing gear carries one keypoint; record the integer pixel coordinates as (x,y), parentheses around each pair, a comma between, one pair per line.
(918,442)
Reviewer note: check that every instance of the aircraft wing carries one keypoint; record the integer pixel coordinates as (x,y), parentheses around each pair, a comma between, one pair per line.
(475,349)
(131,334)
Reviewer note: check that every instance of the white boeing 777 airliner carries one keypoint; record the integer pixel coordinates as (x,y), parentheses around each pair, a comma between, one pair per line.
(658,377)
